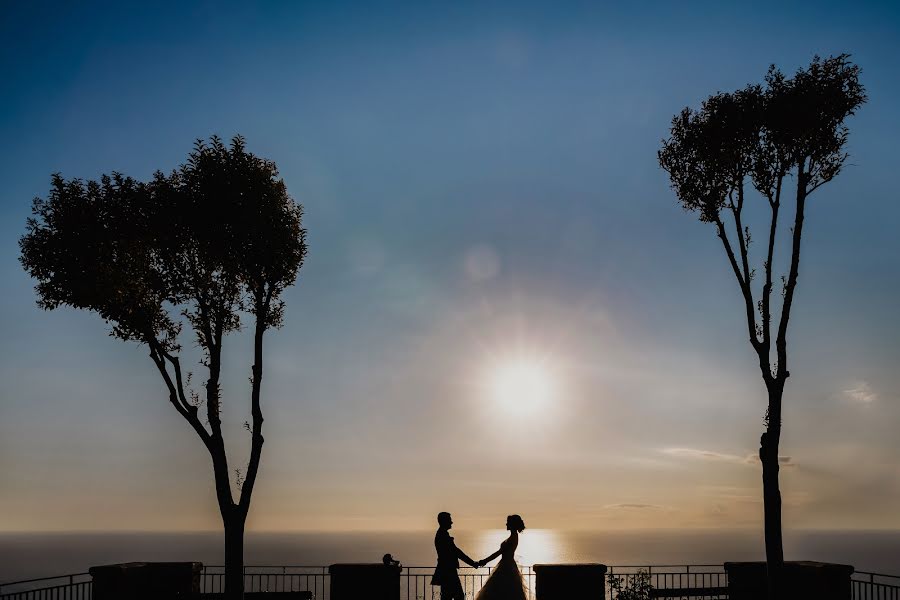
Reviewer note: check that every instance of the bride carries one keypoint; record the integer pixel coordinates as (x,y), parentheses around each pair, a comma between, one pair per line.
(505,582)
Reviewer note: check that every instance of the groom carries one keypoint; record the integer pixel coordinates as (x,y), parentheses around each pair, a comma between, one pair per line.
(446,575)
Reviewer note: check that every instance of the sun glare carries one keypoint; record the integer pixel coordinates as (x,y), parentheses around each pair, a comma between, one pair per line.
(523,385)
(536,546)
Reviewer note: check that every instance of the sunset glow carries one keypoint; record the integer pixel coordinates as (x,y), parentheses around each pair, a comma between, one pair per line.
(523,385)
(504,307)
(536,546)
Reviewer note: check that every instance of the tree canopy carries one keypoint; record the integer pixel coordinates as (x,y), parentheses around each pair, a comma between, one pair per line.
(763,133)
(218,236)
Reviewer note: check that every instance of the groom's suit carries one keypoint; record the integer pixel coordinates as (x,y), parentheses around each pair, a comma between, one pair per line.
(446,574)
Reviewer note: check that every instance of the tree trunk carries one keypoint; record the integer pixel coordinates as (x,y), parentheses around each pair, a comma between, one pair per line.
(768,455)
(234,554)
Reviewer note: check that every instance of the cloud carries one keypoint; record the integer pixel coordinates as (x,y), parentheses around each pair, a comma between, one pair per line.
(727,493)
(743,499)
(861,393)
(699,454)
(635,506)
(784,461)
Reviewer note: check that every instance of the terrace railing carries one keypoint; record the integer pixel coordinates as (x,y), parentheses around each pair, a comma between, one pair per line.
(710,580)
(416,582)
(875,586)
(76,586)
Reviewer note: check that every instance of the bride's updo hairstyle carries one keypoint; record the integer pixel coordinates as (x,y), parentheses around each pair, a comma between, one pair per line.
(516,522)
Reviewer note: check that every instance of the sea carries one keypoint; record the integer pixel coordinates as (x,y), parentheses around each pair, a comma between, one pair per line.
(30,555)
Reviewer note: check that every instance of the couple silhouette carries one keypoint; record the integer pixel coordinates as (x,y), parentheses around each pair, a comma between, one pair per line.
(505,582)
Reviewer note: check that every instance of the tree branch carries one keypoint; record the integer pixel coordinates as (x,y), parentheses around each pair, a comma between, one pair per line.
(214,445)
(213,393)
(160,363)
(742,244)
(775,205)
(781,340)
(744,285)
(176,389)
(262,313)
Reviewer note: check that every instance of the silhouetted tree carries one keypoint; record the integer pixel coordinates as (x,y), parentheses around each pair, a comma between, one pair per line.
(218,238)
(790,128)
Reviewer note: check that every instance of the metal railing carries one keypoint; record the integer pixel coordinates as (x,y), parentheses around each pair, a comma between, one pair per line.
(76,586)
(269,578)
(674,577)
(415,582)
(874,586)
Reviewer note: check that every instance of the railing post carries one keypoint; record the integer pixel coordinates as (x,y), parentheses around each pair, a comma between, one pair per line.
(376,581)
(570,581)
(825,581)
(145,581)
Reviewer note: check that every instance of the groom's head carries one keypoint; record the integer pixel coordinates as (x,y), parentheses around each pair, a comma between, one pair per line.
(444,520)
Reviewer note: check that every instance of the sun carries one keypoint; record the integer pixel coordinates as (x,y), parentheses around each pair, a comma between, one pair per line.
(523,385)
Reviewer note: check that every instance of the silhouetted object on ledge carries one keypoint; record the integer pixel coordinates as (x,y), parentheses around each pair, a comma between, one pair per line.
(446,573)
(505,582)
(146,581)
(372,581)
(570,582)
(390,561)
(800,579)
(791,130)
(217,239)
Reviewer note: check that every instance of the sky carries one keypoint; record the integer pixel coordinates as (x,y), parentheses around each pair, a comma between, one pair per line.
(504,308)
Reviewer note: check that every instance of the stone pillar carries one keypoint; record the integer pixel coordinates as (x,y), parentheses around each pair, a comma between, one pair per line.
(802,579)
(373,581)
(570,582)
(146,581)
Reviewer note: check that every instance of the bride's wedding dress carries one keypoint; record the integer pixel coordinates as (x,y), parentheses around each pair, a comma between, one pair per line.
(505,582)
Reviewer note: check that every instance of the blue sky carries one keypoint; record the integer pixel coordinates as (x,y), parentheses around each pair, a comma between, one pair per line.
(480,184)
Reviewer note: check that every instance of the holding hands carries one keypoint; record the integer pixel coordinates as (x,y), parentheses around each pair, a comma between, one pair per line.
(488,559)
